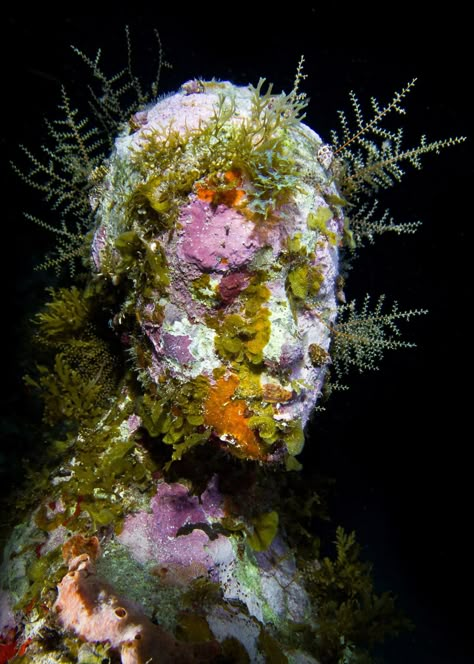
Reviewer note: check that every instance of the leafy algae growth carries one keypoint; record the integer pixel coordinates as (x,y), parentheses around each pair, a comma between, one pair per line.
(178,371)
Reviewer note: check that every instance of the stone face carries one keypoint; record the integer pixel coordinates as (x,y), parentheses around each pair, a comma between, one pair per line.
(222,232)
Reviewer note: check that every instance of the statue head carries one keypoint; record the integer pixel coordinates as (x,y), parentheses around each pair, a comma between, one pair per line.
(219,228)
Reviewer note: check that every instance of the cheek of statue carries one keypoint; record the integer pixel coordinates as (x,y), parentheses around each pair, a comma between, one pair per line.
(233,324)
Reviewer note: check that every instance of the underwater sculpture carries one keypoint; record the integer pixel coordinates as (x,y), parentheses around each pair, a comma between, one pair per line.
(216,202)
(180,377)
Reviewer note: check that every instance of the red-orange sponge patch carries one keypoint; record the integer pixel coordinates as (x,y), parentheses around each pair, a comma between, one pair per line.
(227,193)
(227,418)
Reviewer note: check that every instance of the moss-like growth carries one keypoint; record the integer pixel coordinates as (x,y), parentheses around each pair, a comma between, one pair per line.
(266,427)
(106,463)
(177,415)
(293,436)
(78,373)
(67,397)
(43,574)
(78,379)
(351,617)
(66,314)
(143,262)
(193,628)
(317,221)
(270,648)
(148,206)
(304,278)
(304,281)
(258,148)
(204,291)
(241,338)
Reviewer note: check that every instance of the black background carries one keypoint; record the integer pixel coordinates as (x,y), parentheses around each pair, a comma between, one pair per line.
(398,442)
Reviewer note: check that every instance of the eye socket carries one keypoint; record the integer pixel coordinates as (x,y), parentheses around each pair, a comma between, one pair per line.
(120,612)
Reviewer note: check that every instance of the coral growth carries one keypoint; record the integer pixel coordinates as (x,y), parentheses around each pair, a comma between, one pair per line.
(179,373)
(225,270)
(89,607)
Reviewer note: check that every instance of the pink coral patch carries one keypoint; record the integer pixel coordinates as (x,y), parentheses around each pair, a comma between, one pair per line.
(177,347)
(216,239)
(175,534)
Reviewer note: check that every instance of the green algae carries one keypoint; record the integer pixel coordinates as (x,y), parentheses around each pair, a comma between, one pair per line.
(66,314)
(294,437)
(241,338)
(78,372)
(66,395)
(266,427)
(203,290)
(143,262)
(265,528)
(270,648)
(304,278)
(317,221)
(140,583)
(177,414)
(259,147)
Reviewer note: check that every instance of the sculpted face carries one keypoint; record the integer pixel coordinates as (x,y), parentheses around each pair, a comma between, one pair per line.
(221,228)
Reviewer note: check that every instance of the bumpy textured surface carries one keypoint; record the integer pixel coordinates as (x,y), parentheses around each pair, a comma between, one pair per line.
(180,372)
(215,249)
(176,562)
(236,231)
(90,607)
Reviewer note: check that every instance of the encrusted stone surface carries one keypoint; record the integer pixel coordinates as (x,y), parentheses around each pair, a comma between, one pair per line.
(219,245)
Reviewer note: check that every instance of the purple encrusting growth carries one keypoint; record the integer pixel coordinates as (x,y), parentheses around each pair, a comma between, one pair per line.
(176,346)
(217,240)
(174,537)
(155,536)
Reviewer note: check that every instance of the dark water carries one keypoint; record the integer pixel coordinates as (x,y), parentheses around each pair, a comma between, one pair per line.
(396,443)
